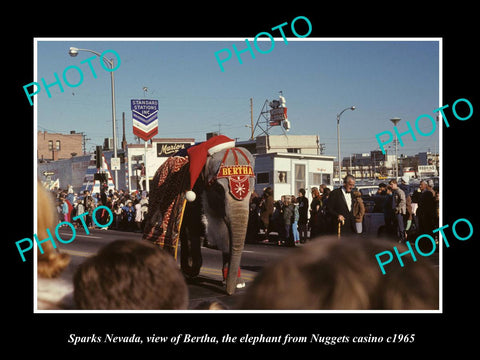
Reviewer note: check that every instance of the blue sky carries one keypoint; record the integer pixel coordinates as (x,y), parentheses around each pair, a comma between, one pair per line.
(318,78)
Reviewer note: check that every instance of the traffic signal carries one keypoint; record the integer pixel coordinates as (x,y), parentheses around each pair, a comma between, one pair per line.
(102,177)
(98,157)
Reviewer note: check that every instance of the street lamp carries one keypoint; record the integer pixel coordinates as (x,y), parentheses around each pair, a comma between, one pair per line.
(73,52)
(338,141)
(395,122)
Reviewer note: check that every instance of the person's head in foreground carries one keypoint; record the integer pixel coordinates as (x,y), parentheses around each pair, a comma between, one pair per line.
(333,274)
(130,275)
(50,261)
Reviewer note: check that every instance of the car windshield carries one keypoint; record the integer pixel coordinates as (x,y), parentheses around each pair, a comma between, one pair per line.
(368,191)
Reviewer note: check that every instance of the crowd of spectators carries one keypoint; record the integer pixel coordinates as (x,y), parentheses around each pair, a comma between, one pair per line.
(407,211)
(128,209)
(130,274)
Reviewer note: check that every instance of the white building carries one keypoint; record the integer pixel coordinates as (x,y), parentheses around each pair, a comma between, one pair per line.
(288,163)
(287,173)
(153,155)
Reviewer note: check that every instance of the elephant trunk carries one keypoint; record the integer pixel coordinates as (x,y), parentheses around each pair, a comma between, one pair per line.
(237,222)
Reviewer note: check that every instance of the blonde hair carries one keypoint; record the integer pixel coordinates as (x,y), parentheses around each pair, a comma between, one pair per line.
(51,263)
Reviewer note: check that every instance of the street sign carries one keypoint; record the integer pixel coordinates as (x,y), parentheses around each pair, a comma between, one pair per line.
(144,116)
(115,163)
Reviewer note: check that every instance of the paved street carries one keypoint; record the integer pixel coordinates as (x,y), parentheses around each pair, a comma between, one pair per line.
(208,286)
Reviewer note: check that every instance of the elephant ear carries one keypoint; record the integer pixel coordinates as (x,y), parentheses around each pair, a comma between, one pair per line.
(215,196)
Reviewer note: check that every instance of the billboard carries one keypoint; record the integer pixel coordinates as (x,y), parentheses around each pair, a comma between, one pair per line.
(145,120)
(277,115)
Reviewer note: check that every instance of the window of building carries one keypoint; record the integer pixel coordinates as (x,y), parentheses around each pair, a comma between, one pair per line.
(57,145)
(320,178)
(326,179)
(317,178)
(50,145)
(294,150)
(299,177)
(263,178)
(282,177)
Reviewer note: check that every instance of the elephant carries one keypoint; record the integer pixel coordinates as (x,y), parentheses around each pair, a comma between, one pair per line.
(220,210)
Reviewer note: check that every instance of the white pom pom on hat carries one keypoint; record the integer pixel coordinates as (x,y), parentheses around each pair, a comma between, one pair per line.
(190,196)
(198,157)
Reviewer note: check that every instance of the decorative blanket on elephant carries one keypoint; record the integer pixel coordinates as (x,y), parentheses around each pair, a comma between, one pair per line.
(237,175)
(178,174)
(167,202)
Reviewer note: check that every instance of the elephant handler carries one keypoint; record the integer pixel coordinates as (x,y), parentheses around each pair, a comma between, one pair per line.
(266,211)
(340,207)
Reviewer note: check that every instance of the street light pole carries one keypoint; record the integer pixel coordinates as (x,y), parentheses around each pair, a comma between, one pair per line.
(114,125)
(395,122)
(74,52)
(338,141)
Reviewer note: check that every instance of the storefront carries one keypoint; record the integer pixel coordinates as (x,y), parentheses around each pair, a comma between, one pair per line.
(152,156)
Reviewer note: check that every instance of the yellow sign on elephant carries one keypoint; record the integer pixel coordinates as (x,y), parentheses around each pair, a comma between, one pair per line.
(238,179)
(233,170)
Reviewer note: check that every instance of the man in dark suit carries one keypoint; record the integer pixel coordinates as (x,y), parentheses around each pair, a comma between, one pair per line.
(340,206)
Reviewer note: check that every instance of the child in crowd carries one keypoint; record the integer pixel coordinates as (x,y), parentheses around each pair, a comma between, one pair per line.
(296,216)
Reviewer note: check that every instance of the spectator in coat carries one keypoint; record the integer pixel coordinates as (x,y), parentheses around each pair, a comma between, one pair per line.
(315,214)
(296,217)
(288,213)
(340,207)
(138,215)
(129,216)
(266,210)
(358,211)
(303,215)
(426,209)
(400,210)
(80,211)
(65,210)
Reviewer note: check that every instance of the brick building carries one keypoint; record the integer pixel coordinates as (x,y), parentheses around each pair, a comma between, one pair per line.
(55,146)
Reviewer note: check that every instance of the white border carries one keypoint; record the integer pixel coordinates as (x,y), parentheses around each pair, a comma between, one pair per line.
(216,312)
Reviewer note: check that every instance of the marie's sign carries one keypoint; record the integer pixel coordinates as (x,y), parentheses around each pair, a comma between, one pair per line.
(168,149)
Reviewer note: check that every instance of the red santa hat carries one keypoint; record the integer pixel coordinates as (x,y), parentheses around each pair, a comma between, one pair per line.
(198,157)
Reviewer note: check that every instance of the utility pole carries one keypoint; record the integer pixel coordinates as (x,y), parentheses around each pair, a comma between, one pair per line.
(84,140)
(124,139)
(251,117)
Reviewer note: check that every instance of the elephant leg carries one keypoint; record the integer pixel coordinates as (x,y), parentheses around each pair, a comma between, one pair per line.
(226,262)
(190,253)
